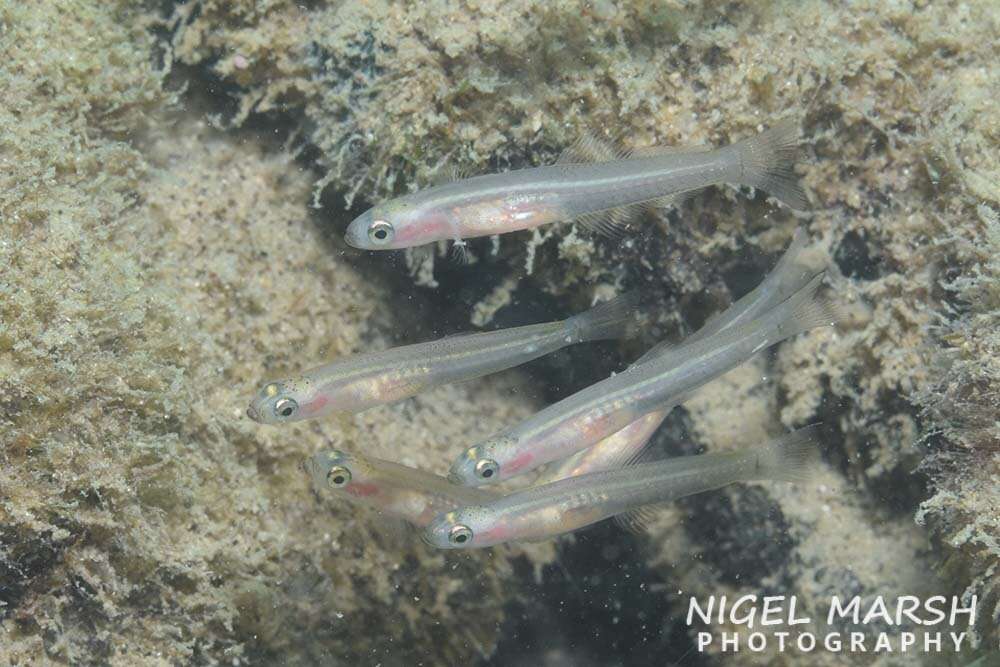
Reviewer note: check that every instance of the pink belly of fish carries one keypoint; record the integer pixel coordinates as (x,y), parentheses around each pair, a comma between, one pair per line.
(504,215)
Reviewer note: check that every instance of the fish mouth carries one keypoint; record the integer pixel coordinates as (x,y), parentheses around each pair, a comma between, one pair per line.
(253,414)
(425,538)
(354,236)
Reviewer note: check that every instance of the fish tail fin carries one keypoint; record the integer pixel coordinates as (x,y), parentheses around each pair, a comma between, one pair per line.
(804,310)
(787,277)
(768,163)
(793,457)
(790,258)
(790,274)
(617,318)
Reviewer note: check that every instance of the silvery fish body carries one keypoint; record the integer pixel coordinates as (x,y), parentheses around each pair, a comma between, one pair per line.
(398,491)
(552,509)
(611,452)
(362,381)
(660,383)
(787,277)
(591,183)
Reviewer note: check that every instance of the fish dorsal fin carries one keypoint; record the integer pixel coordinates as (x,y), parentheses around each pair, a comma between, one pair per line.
(592,148)
(641,518)
(443,176)
(461,172)
(449,173)
(638,520)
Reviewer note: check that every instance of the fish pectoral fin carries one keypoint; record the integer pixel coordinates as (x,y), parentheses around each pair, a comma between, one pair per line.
(397,530)
(404,392)
(460,253)
(640,519)
(449,173)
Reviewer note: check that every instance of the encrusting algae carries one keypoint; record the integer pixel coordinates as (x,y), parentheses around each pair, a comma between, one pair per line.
(143,518)
(155,270)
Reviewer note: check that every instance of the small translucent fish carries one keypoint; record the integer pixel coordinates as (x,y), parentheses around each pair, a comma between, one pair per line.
(614,451)
(361,381)
(662,382)
(592,183)
(632,493)
(397,490)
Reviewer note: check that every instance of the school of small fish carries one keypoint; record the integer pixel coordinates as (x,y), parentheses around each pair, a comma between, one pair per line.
(592,444)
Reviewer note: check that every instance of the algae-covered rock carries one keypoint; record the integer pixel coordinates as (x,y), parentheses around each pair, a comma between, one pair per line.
(148,287)
(894,101)
(960,405)
(155,270)
(811,541)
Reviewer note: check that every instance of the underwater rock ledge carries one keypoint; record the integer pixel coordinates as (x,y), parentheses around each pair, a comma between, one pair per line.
(895,106)
(147,287)
(155,269)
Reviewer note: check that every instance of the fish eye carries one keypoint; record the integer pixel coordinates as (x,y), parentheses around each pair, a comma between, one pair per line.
(459,534)
(338,476)
(380,232)
(486,468)
(285,407)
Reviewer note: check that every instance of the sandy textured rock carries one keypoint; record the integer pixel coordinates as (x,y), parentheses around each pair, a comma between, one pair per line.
(813,540)
(148,287)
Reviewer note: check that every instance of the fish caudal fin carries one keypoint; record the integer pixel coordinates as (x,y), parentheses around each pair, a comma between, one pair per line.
(768,163)
(789,269)
(617,318)
(793,457)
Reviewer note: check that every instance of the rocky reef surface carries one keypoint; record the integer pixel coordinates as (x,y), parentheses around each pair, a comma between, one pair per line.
(154,271)
(175,180)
